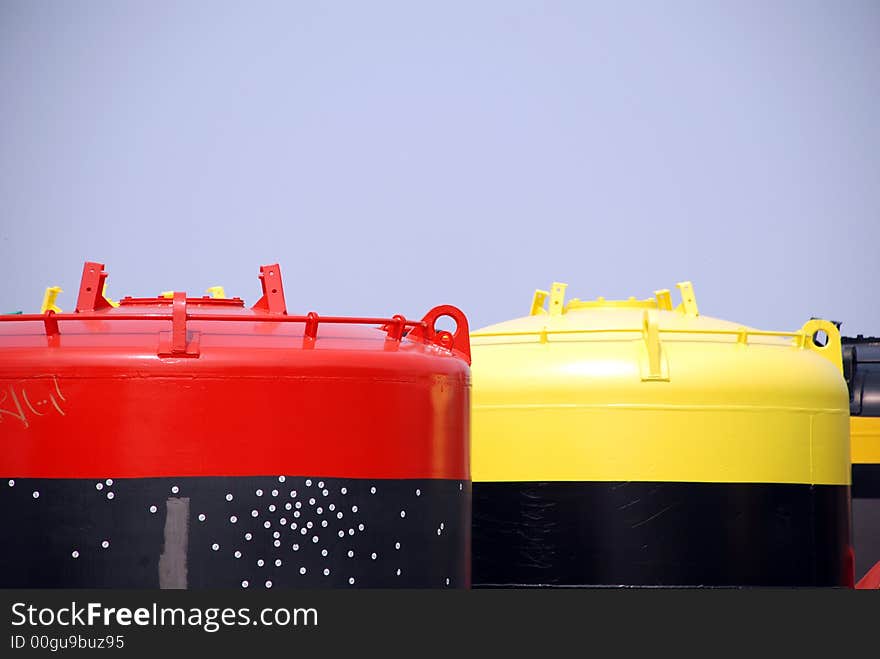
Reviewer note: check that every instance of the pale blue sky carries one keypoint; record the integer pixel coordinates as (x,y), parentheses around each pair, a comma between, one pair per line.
(397,155)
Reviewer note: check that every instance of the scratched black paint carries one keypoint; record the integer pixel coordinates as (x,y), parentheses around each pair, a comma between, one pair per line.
(659,534)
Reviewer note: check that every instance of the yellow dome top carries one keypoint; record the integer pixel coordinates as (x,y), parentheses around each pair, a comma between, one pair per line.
(609,367)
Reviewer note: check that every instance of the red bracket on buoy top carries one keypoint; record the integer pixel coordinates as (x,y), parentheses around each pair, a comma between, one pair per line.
(91,288)
(458,342)
(179,342)
(273,290)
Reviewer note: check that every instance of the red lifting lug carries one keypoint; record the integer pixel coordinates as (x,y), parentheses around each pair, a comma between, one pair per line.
(91,288)
(273,290)
(178,342)
(458,342)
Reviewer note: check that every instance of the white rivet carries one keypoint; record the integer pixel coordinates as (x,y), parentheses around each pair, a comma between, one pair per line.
(267,524)
(272,508)
(215,546)
(351,580)
(293,526)
(110,495)
(311,502)
(75,553)
(109,481)
(233,519)
(320,484)
(302,570)
(372,490)
(296,514)
(277,543)
(308,482)
(259,493)
(248,536)
(244,584)
(350,531)
(309,525)
(354,509)
(274,493)
(319,510)
(174,489)
(373,556)
(339,515)
(439,531)
(293,494)
(397,545)
(342,534)
(326,571)
(299,504)
(277,562)
(229,497)
(11,482)
(202,517)
(277,534)
(350,553)
(295,547)
(314,538)
(324,523)
(403,513)
(287,506)
(281,479)
(254,513)
(447,581)
(398,572)
(153,509)
(260,562)
(237,554)
(323,552)
(418,492)
(360,527)
(325,492)
(282,521)
(36,495)
(99,486)
(304,530)
(344,490)
(442,526)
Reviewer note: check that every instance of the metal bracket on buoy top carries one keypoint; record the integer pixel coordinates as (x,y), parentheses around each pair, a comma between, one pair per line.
(91,289)
(179,342)
(653,362)
(273,290)
(457,342)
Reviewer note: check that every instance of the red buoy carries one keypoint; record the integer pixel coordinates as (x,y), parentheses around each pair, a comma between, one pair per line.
(194,442)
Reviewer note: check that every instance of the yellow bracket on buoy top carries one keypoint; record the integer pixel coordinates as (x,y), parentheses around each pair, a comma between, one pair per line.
(49,298)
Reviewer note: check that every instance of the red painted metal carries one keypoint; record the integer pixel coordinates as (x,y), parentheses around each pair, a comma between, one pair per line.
(202,387)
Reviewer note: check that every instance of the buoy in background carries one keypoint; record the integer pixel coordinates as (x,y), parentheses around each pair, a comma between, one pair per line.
(628,442)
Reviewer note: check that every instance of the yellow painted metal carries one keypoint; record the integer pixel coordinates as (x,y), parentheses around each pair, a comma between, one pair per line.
(216,292)
(865,435)
(113,303)
(634,390)
(49,297)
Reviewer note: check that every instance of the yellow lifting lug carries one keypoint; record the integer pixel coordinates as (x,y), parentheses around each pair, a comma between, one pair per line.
(538,303)
(49,299)
(216,292)
(557,298)
(113,303)
(688,304)
(664,299)
(808,337)
(654,365)
(167,294)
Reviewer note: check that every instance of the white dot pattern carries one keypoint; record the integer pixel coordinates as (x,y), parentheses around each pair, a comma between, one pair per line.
(351,534)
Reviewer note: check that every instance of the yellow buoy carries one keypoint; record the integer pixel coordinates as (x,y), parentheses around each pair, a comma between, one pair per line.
(630,442)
